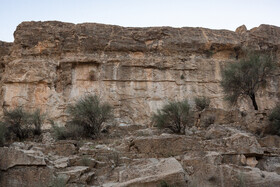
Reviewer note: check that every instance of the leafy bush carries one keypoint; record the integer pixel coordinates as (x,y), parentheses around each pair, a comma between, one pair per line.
(17,122)
(244,78)
(174,115)
(22,124)
(2,134)
(89,113)
(202,103)
(274,119)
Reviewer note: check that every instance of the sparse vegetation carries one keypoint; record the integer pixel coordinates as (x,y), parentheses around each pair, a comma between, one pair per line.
(201,103)
(174,115)
(88,114)
(244,78)
(22,124)
(61,132)
(274,119)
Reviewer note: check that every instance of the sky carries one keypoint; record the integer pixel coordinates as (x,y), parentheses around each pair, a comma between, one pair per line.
(214,14)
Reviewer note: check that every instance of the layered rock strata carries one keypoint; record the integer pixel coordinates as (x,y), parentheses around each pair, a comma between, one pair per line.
(51,64)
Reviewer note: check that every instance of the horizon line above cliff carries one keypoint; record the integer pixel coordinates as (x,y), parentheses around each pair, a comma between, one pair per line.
(115,25)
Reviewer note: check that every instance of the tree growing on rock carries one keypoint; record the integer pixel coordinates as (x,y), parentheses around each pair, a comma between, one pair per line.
(89,113)
(174,115)
(243,78)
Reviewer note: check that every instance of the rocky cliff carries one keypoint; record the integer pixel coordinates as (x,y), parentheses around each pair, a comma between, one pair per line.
(50,64)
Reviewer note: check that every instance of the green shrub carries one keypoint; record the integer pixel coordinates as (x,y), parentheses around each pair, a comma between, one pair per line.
(59,132)
(22,124)
(174,115)
(202,103)
(274,119)
(18,123)
(2,134)
(88,114)
(243,78)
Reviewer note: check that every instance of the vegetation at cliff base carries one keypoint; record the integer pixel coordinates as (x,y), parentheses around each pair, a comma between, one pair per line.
(22,124)
(174,115)
(87,114)
(243,78)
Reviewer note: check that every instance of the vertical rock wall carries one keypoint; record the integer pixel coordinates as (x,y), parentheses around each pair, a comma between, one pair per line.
(51,64)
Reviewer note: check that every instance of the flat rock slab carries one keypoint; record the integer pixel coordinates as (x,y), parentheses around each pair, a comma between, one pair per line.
(10,157)
(152,172)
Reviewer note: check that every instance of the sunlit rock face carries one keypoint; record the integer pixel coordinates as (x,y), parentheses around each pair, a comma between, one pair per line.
(137,70)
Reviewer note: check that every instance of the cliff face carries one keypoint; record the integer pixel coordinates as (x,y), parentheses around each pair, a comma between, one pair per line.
(50,64)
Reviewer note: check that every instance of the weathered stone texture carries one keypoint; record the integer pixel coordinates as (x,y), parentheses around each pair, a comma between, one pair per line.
(135,69)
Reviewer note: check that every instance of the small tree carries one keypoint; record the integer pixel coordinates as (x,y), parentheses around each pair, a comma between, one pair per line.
(89,113)
(245,77)
(174,115)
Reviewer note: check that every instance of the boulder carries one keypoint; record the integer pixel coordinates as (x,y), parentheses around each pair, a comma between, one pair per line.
(152,172)
(10,157)
(23,168)
(74,173)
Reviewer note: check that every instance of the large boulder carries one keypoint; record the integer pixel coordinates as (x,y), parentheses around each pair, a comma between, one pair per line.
(151,173)
(10,157)
(25,168)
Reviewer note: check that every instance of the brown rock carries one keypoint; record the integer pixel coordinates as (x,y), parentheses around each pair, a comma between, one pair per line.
(23,168)
(74,173)
(10,157)
(151,173)
(241,29)
(26,176)
(135,69)
(61,148)
(251,161)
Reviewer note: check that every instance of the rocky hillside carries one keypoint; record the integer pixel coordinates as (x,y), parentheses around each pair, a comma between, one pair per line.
(137,70)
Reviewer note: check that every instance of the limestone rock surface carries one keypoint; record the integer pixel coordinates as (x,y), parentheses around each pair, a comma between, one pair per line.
(51,64)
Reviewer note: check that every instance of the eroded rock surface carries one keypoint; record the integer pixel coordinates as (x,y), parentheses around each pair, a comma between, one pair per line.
(135,69)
